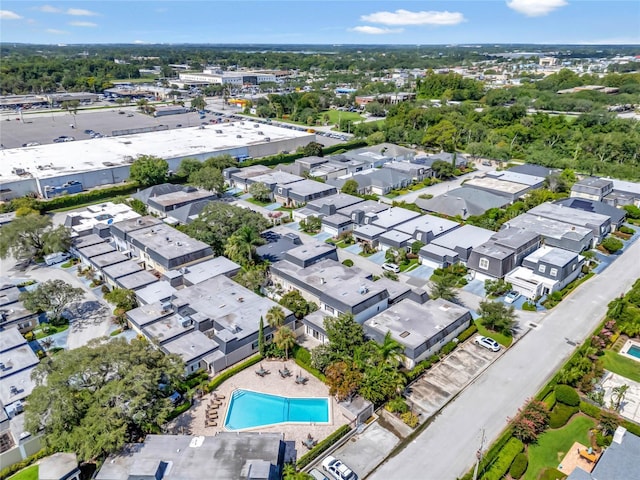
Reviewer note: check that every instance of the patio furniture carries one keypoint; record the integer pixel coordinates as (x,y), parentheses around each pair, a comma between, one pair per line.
(211,424)
(285,373)
(300,380)
(212,416)
(262,372)
(218,397)
(309,442)
(588,455)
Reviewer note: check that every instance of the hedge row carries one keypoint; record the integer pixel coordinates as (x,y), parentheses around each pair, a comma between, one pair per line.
(178,410)
(281,158)
(504,459)
(492,453)
(302,357)
(591,410)
(467,333)
(227,374)
(10,470)
(567,395)
(322,447)
(519,466)
(550,400)
(68,201)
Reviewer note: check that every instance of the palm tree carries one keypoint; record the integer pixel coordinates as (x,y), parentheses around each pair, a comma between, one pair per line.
(617,396)
(444,287)
(390,350)
(286,339)
(241,246)
(275,317)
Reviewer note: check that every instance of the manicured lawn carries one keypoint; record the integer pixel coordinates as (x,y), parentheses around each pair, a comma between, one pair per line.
(624,366)
(334,115)
(409,266)
(554,444)
(498,337)
(29,473)
(258,202)
(40,332)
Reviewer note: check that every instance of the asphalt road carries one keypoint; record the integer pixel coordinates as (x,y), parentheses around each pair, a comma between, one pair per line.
(447,448)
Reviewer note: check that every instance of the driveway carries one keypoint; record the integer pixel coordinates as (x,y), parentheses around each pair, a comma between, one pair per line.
(447,448)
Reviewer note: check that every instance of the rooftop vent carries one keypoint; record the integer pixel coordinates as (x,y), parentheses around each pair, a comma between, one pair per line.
(404,334)
(238,136)
(363,289)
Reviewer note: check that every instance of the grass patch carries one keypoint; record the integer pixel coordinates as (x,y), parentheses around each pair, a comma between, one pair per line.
(409,266)
(554,444)
(29,473)
(502,339)
(621,365)
(336,115)
(258,202)
(47,329)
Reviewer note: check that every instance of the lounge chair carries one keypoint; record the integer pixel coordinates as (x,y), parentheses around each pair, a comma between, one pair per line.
(218,397)
(211,424)
(284,373)
(301,380)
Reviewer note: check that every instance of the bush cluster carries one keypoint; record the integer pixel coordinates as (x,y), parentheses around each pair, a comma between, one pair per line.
(68,201)
(322,446)
(504,459)
(302,357)
(397,405)
(519,466)
(410,418)
(6,472)
(183,407)
(567,395)
(561,414)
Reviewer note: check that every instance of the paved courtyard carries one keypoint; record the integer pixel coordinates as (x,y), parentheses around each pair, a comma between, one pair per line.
(630,407)
(192,422)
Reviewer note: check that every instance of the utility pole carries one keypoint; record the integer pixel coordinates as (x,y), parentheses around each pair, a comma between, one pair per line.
(478,457)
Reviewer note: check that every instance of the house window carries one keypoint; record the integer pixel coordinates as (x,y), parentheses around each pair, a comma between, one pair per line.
(553,272)
(484,264)
(542,268)
(329,309)
(573,267)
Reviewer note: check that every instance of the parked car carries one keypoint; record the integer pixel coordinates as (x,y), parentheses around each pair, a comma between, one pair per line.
(57,257)
(317,474)
(511,297)
(488,343)
(337,469)
(391,267)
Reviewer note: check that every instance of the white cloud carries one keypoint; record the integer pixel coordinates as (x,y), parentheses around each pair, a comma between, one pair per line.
(83,24)
(535,8)
(48,9)
(140,42)
(405,17)
(369,30)
(9,15)
(80,12)
(56,32)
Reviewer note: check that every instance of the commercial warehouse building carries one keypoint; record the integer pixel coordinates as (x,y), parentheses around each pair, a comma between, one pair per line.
(105,161)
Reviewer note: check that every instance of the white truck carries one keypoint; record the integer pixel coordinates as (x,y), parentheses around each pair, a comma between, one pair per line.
(57,257)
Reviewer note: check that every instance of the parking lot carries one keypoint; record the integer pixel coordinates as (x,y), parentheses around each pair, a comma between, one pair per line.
(43,127)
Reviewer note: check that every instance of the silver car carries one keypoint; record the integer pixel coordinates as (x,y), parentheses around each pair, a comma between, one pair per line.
(488,343)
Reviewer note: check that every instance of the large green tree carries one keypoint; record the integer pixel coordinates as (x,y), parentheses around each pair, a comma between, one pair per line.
(94,399)
(497,316)
(149,170)
(444,287)
(52,296)
(260,192)
(188,166)
(295,302)
(241,246)
(218,221)
(350,187)
(32,236)
(285,340)
(344,334)
(209,178)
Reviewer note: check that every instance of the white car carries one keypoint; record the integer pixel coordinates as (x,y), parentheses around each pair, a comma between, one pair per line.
(488,343)
(337,469)
(511,297)
(391,267)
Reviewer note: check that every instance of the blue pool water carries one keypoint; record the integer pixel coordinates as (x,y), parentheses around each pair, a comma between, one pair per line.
(634,351)
(249,409)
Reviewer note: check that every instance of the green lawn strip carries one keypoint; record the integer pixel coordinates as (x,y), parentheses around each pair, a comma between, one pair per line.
(29,473)
(553,445)
(498,337)
(336,115)
(409,266)
(40,333)
(257,202)
(616,363)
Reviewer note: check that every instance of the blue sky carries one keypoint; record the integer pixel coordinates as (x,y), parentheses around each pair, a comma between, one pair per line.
(321,21)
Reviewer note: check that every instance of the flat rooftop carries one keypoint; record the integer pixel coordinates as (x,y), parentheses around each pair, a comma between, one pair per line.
(552,255)
(411,323)
(167,329)
(96,250)
(121,269)
(340,200)
(168,242)
(276,177)
(44,161)
(309,187)
(428,223)
(467,236)
(181,196)
(108,259)
(137,280)
(310,250)
(208,269)
(368,206)
(497,185)
(394,216)
(191,346)
(550,228)
(568,215)
(516,177)
(156,292)
(251,171)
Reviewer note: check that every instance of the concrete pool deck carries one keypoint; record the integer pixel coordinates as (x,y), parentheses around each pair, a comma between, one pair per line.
(192,422)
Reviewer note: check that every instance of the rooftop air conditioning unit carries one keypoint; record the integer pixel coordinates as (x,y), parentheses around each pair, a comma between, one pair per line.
(238,136)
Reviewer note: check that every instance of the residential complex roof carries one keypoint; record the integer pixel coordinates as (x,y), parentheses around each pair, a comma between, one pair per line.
(463,201)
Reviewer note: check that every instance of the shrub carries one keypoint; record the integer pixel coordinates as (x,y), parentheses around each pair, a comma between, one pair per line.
(611,244)
(567,395)
(178,410)
(396,405)
(529,306)
(466,334)
(504,459)
(348,263)
(322,446)
(410,419)
(302,357)
(627,230)
(227,374)
(68,201)
(6,472)
(519,466)
(631,427)
(561,414)
(448,348)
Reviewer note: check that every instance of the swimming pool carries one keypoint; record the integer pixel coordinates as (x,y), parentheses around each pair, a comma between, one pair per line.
(631,349)
(249,409)
(634,351)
